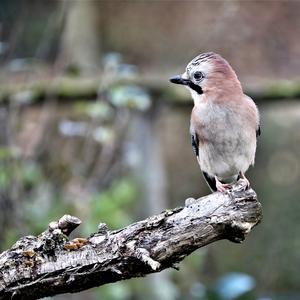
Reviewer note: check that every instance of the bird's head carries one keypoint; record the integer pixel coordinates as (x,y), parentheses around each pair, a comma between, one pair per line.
(208,74)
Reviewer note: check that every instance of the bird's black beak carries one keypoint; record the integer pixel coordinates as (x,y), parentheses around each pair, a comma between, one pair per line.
(179,80)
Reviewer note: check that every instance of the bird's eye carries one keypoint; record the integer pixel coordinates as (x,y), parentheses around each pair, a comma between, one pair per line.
(198,75)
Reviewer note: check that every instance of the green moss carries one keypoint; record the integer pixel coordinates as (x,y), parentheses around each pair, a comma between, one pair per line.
(87,88)
(73,88)
(282,89)
(72,70)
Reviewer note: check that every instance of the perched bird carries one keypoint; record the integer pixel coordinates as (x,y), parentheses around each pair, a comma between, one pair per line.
(224,121)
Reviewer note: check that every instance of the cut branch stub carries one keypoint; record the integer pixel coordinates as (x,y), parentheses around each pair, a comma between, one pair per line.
(48,265)
(68,223)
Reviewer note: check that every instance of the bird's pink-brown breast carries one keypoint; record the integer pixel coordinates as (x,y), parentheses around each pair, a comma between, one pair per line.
(198,126)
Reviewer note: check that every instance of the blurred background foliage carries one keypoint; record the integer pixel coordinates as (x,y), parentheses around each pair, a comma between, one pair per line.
(90,126)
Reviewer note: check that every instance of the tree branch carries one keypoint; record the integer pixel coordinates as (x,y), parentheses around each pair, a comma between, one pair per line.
(50,264)
(70,89)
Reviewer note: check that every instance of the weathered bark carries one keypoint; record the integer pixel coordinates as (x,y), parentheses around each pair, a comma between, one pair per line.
(50,264)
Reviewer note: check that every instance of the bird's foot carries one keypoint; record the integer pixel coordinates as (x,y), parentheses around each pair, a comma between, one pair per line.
(243,181)
(222,187)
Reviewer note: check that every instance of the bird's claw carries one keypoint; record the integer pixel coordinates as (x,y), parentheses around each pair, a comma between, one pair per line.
(222,187)
(244,183)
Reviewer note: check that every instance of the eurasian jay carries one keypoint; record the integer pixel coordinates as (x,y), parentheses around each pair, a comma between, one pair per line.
(224,121)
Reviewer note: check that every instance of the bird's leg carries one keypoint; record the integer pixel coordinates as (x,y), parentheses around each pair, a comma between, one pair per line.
(243,181)
(222,187)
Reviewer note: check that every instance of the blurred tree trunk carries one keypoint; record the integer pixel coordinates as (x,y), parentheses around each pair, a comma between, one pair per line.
(80,45)
(152,174)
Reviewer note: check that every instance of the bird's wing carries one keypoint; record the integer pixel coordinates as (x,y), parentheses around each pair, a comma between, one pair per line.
(194,141)
(258,126)
(195,145)
(258,130)
(211,181)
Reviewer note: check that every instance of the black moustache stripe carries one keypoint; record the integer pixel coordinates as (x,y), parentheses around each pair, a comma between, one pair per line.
(195,87)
